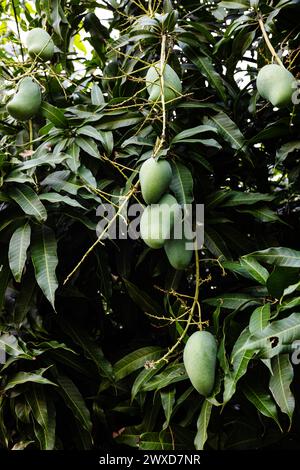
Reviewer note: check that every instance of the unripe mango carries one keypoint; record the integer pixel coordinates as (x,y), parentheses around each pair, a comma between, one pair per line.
(199,357)
(172,83)
(27,101)
(158,220)
(178,254)
(276,84)
(155,177)
(39,44)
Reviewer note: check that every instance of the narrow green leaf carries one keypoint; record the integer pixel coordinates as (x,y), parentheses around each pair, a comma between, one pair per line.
(182,183)
(88,145)
(260,318)
(255,269)
(21,378)
(202,425)
(278,256)
(167,401)
(280,382)
(17,252)
(44,258)
(54,115)
(74,400)
(228,130)
(262,401)
(44,414)
(29,201)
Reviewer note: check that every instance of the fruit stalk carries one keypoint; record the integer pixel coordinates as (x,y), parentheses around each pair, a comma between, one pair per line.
(191,314)
(268,42)
(161,140)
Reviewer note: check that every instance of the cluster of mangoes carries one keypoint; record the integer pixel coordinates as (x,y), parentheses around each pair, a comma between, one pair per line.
(276,84)
(162,213)
(28,98)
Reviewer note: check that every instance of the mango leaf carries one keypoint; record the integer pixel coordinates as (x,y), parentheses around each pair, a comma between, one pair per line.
(182,183)
(285,149)
(4,277)
(255,269)
(143,377)
(228,130)
(29,201)
(17,252)
(88,146)
(278,256)
(54,115)
(56,198)
(143,300)
(202,425)
(25,297)
(168,400)
(21,378)
(262,401)
(280,382)
(260,318)
(91,348)
(191,132)
(239,198)
(156,441)
(233,301)
(44,258)
(239,360)
(135,360)
(74,400)
(172,374)
(43,410)
(206,67)
(274,338)
(97,97)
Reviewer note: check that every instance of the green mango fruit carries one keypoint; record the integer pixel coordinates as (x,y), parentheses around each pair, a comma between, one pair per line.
(158,220)
(172,83)
(276,84)
(199,358)
(27,100)
(39,44)
(155,177)
(178,255)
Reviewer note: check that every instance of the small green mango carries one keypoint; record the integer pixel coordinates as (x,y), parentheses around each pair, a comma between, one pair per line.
(158,220)
(178,254)
(172,83)
(276,84)
(199,358)
(27,100)
(39,44)
(155,177)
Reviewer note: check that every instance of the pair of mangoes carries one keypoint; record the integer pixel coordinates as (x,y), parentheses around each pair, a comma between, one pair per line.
(172,88)
(27,99)
(162,213)
(276,84)
(200,358)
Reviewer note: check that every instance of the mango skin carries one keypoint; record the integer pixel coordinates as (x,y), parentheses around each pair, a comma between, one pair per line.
(39,44)
(155,178)
(27,100)
(172,83)
(158,220)
(199,358)
(275,84)
(179,257)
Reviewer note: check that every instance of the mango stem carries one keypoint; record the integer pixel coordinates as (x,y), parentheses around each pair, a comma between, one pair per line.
(268,42)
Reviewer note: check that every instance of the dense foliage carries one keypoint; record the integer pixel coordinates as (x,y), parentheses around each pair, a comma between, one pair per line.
(94,359)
